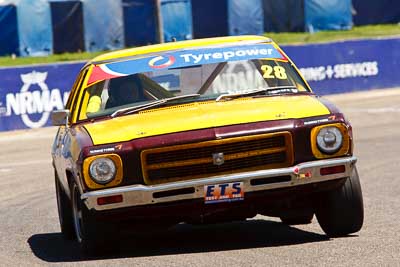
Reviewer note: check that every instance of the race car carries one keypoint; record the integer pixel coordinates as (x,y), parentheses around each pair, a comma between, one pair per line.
(200,131)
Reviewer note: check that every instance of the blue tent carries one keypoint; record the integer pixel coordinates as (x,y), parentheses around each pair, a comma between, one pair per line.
(103,25)
(283,15)
(67,26)
(9,40)
(176,18)
(154,21)
(376,12)
(307,15)
(328,15)
(87,25)
(227,17)
(29,27)
(140,23)
(39,27)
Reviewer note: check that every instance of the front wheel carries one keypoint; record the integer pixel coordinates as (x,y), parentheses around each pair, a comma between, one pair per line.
(87,232)
(64,211)
(341,212)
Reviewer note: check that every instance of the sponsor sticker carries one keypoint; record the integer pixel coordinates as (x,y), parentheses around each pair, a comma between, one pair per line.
(341,71)
(313,121)
(227,192)
(161,62)
(105,150)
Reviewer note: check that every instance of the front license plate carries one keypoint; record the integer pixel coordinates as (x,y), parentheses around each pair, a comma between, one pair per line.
(223,192)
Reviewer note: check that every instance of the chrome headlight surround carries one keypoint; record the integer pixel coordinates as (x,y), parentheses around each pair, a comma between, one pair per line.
(102,170)
(109,166)
(330,140)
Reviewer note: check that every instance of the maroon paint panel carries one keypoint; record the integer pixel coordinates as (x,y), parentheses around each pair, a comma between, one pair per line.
(130,151)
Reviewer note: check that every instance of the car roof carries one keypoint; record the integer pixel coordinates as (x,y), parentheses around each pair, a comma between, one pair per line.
(142,50)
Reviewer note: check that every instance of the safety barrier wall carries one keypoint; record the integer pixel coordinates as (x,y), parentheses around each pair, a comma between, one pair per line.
(349,65)
(29,94)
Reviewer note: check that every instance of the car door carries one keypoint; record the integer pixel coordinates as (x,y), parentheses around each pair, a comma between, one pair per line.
(62,143)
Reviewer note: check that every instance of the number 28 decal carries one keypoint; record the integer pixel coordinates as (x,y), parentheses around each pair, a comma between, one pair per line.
(270,72)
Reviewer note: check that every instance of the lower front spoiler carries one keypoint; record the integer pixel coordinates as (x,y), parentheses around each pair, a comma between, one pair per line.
(301,174)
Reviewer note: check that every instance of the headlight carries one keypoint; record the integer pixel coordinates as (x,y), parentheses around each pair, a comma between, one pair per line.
(329,140)
(102,170)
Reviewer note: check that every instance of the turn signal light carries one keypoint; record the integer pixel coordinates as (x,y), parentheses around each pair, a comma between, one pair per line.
(109,200)
(332,170)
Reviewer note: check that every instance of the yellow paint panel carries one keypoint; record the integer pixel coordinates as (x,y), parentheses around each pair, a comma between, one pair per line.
(202,115)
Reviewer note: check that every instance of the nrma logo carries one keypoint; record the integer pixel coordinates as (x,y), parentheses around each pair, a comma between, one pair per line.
(34,100)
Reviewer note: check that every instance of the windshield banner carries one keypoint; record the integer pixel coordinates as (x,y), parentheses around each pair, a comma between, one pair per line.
(184,58)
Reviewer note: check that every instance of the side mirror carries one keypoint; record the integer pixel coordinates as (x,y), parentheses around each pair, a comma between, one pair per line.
(60,117)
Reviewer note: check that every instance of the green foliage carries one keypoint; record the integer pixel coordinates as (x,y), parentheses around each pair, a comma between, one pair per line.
(10,61)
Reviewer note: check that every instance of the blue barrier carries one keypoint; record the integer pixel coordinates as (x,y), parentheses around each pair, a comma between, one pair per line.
(348,66)
(29,94)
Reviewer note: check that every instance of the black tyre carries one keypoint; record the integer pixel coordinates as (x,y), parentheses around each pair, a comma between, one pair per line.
(64,211)
(341,211)
(87,231)
(305,218)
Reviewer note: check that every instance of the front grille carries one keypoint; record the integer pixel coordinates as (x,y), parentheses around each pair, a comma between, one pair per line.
(191,161)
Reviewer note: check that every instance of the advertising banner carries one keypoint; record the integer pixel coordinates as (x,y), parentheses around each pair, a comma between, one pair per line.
(348,66)
(29,94)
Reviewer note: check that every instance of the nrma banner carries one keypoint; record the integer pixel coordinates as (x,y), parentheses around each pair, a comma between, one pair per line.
(29,94)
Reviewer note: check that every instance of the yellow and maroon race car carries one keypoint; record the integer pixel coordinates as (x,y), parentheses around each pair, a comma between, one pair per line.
(200,131)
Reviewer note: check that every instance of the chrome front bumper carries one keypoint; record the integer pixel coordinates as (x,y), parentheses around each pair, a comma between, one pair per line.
(137,195)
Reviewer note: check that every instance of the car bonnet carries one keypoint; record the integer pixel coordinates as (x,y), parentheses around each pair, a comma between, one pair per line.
(203,115)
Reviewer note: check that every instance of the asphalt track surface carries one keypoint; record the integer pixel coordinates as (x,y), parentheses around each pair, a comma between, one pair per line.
(30,233)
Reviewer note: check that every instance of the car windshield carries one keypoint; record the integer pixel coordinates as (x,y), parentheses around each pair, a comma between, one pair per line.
(221,80)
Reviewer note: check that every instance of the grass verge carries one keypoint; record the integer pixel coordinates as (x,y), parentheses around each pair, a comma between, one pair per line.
(361,32)
(9,61)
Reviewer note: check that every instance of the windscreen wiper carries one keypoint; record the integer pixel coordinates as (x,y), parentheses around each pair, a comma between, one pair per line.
(253,92)
(152,104)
